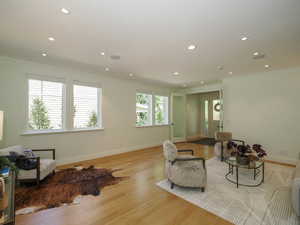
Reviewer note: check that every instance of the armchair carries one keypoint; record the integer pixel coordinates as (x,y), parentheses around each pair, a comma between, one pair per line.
(184,170)
(43,169)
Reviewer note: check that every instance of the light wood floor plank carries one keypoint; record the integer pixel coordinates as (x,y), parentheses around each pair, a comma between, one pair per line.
(136,200)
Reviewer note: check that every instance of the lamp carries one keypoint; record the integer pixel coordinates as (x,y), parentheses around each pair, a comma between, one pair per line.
(1,125)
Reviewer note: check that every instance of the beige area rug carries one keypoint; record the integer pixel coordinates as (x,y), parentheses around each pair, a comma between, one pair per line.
(267,204)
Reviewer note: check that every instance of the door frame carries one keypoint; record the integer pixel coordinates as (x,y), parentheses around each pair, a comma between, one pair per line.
(221,95)
(181,139)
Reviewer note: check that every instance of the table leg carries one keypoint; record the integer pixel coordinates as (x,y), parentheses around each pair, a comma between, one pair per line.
(254,174)
(263,171)
(237,177)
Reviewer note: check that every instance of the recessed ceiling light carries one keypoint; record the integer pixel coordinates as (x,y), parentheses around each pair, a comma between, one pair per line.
(106,69)
(267,66)
(44,54)
(244,38)
(102,53)
(175,73)
(131,74)
(230,72)
(51,38)
(256,53)
(191,47)
(202,82)
(220,67)
(65,11)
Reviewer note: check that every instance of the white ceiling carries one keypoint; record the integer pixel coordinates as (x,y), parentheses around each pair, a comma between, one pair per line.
(152,36)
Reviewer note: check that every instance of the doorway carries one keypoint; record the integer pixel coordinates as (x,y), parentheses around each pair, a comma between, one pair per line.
(204,115)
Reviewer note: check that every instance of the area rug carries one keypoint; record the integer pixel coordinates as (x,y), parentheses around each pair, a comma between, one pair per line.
(267,204)
(65,187)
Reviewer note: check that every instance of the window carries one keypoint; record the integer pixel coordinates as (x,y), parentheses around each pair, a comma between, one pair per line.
(151,109)
(45,105)
(161,110)
(86,107)
(143,109)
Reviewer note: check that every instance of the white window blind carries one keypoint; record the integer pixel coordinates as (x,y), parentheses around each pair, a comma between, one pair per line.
(86,106)
(45,105)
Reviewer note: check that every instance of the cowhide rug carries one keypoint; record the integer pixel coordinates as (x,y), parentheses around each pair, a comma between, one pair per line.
(65,187)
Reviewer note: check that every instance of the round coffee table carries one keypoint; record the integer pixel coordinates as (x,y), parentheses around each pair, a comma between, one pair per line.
(257,167)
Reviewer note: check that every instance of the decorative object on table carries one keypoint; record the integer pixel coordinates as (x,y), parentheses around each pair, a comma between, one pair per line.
(246,155)
(7,196)
(41,167)
(184,170)
(67,186)
(222,149)
(268,204)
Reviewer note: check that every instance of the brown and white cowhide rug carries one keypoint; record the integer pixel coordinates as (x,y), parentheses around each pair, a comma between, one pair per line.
(65,187)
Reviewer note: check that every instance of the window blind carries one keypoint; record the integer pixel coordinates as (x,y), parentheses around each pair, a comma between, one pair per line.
(85,106)
(45,105)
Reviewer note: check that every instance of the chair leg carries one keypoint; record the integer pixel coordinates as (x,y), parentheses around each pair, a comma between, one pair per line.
(202,189)
(172,185)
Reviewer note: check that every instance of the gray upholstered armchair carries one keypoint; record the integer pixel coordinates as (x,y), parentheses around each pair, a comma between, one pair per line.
(222,139)
(184,170)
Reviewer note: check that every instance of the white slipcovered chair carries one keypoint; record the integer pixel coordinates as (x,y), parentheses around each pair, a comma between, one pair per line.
(184,170)
(221,149)
(44,167)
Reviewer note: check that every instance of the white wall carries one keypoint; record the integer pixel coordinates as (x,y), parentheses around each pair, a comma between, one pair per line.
(119,134)
(264,108)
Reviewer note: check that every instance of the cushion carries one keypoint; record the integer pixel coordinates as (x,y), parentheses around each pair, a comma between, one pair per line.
(47,166)
(29,153)
(17,148)
(170,150)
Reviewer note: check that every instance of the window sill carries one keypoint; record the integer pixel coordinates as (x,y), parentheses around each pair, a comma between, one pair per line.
(29,133)
(158,125)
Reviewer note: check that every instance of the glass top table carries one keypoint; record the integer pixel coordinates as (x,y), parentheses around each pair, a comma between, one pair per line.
(258,168)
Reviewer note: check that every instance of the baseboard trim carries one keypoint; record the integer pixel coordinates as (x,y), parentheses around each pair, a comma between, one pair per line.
(281,160)
(80,158)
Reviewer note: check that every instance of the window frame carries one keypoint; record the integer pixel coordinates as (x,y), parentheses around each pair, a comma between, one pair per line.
(27,114)
(153,121)
(165,113)
(67,108)
(99,105)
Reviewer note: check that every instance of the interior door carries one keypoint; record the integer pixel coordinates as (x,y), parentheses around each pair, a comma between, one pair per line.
(178,123)
(210,112)
(215,108)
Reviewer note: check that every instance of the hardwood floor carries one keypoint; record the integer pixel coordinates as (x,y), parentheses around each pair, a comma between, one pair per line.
(136,200)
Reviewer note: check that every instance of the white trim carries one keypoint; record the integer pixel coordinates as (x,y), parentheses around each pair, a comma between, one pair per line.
(157,125)
(49,79)
(107,153)
(87,84)
(41,132)
(45,78)
(99,101)
(281,159)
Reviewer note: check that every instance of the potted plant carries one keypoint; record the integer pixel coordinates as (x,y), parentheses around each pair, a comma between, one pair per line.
(6,163)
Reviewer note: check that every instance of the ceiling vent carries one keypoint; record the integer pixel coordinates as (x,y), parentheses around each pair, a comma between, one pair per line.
(260,56)
(115,57)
